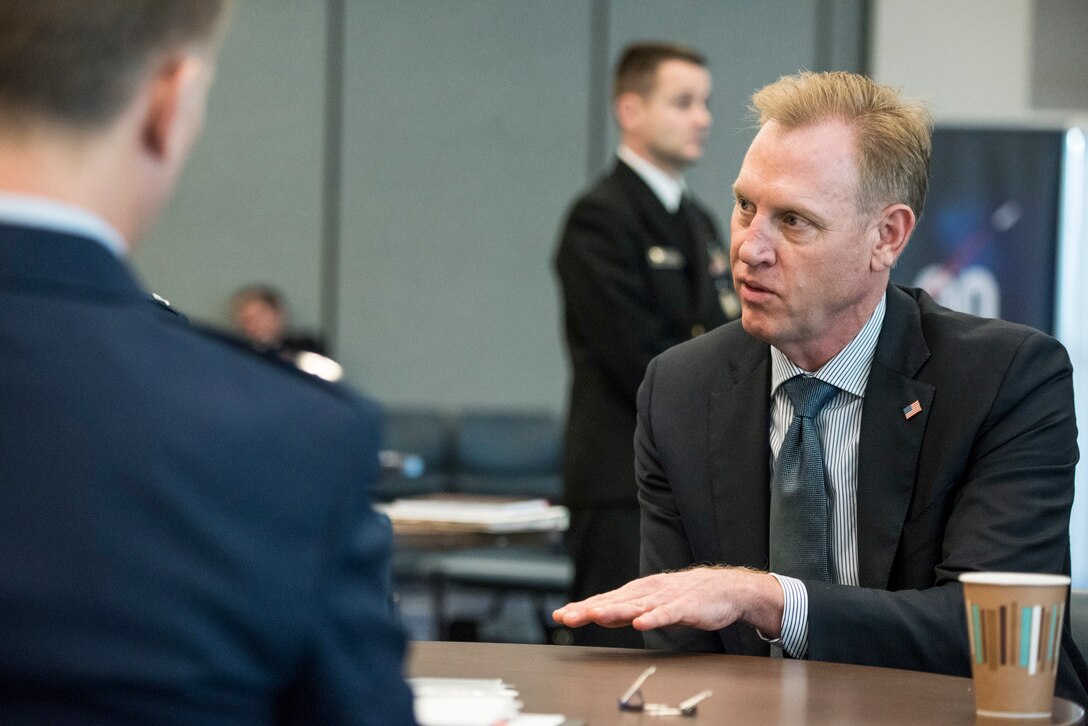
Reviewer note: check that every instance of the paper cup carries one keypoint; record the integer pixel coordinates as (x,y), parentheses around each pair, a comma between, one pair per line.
(1014,625)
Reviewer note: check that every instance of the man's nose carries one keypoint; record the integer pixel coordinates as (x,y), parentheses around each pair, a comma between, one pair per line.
(756,243)
(703,117)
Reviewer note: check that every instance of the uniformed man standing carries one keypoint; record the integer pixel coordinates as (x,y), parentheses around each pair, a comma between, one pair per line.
(642,268)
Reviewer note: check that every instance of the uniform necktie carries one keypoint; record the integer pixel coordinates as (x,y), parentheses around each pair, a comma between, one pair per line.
(799,511)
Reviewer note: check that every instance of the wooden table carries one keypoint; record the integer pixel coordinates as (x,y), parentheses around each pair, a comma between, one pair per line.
(586,683)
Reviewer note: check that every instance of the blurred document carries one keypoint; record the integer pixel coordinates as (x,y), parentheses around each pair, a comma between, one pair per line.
(472,702)
(481,514)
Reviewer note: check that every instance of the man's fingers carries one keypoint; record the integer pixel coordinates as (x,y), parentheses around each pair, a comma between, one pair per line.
(611,615)
(658,617)
(570,618)
(615,615)
(573,616)
(694,598)
(605,599)
(571,608)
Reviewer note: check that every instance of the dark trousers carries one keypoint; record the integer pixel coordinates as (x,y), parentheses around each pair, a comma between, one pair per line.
(604,544)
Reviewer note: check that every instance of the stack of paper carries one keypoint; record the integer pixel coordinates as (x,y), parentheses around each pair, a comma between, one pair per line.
(471,702)
(477,514)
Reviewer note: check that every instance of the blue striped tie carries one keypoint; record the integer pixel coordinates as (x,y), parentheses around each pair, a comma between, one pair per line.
(799,520)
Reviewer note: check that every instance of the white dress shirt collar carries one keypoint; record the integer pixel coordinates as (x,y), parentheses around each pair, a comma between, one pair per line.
(667,188)
(43,213)
(849,369)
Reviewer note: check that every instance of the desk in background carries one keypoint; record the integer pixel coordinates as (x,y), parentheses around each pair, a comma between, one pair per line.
(497,544)
(459,521)
(585,684)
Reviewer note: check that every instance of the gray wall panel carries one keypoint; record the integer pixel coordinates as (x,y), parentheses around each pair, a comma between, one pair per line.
(467,130)
(464,136)
(1059,55)
(248,206)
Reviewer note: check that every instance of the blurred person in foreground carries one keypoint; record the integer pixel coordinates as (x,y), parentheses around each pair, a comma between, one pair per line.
(945,443)
(642,268)
(187,537)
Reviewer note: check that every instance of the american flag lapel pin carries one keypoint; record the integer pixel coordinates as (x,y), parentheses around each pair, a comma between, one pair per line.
(912,410)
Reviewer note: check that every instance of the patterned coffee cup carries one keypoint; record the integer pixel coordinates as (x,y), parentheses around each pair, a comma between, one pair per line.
(1014,626)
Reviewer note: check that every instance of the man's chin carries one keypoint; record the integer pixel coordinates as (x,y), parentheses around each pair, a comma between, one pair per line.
(683,160)
(689,159)
(754,324)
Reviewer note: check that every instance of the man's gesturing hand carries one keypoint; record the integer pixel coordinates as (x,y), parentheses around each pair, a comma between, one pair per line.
(708,598)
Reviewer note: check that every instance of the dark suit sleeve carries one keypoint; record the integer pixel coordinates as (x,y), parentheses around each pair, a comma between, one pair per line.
(664,541)
(1008,511)
(354,671)
(609,304)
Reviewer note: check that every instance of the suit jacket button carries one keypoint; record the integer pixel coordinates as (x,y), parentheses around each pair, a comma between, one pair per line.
(697,330)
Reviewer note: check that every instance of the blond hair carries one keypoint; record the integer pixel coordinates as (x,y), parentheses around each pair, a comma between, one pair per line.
(893,134)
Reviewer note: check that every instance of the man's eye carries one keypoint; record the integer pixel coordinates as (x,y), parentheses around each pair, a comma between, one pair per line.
(683,102)
(791,220)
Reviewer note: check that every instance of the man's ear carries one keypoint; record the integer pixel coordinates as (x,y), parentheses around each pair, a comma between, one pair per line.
(894,227)
(175,106)
(628,109)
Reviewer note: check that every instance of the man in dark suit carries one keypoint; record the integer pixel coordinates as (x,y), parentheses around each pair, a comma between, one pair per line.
(642,268)
(187,536)
(948,442)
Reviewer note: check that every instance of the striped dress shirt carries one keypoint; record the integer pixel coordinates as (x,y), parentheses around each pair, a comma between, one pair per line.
(839,425)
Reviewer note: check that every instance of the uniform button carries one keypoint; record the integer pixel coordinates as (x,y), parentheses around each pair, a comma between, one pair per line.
(697,330)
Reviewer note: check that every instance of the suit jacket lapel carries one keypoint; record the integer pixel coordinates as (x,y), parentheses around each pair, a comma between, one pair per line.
(737,424)
(662,226)
(890,442)
(738,420)
(702,238)
(650,209)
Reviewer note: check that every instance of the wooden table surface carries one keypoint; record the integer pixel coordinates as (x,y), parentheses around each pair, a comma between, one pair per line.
(585,684)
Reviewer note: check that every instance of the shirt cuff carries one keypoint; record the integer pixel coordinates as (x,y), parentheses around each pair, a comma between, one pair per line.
(794,634)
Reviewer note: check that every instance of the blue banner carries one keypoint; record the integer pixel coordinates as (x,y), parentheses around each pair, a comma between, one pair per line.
(987,242)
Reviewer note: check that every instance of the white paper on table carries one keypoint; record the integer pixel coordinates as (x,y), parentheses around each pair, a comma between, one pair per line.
(463,701)
(472,702)
(497,517)
(538,719)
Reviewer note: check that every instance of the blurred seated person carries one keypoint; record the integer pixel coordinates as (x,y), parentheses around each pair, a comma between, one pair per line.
(259,314)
